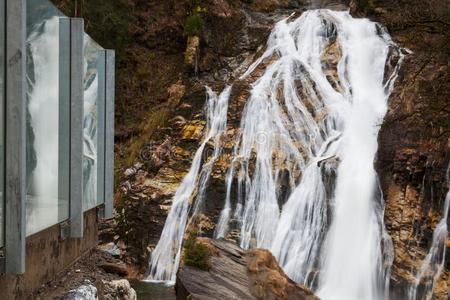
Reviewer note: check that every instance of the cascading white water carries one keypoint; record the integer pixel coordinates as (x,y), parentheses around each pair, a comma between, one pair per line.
(433,263)
(166,256)
(352,253)
(307,142)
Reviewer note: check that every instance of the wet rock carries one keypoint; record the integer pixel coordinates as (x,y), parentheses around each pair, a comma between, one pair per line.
(106,230)
(111,249)
(86,291)
(129,172)
(271,5)
(330,59)
(221,8)
(155,154)
(119,289)
(178,121)
(235,273)
(193,131)
(114,268)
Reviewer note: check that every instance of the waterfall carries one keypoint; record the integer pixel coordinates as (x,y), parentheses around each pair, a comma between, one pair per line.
(303,157)
(352,253)
(433,263)
(166,256)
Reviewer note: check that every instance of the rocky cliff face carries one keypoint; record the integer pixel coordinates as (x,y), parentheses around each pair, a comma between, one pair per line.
(231,38)
(414,143)
(173,48)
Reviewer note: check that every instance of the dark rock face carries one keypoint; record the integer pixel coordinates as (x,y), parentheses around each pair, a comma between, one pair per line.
(238,274)
(413,152)
(413,141)
(231,35)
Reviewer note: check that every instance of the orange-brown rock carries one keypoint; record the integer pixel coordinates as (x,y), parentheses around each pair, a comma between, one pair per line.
(237,274)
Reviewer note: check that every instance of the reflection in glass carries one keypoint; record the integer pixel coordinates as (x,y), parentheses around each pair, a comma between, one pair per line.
(91,88)
(47,180)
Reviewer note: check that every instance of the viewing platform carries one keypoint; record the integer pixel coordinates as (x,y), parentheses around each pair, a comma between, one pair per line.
(57,89)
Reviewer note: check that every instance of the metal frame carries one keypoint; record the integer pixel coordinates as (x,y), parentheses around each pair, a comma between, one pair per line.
(2,120)
(109,133)
(71,97)
(101,73)
(15,146)
(13,32)
(64,115)
(76,126)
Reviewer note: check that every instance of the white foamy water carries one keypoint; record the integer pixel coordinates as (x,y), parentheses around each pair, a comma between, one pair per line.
(166,256)
(433,264)
(303,158)
(352,258)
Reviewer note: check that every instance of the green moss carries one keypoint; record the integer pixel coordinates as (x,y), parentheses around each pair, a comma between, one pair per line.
(154,120)
(196,254)
(193,25)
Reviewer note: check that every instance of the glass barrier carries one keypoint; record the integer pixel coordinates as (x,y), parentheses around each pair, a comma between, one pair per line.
(48,133)
(93,81)
(2,120)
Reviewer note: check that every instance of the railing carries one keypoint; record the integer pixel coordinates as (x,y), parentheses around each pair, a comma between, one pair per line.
(57,112)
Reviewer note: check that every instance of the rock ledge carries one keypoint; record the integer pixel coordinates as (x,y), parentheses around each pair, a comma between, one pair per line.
(235,273)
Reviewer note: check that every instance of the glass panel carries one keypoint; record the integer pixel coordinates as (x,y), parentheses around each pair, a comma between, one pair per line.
(2,120)
(48,134)
(92,83)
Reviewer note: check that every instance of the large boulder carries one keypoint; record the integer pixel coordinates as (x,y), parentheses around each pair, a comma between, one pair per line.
(229,272)
(119,289)
(87,291)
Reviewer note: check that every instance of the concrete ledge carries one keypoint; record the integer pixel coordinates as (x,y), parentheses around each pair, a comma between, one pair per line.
(47,255)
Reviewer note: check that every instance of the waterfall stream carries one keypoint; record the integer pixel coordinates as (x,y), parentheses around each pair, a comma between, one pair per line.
(433,263)
(303,158)
(166,256)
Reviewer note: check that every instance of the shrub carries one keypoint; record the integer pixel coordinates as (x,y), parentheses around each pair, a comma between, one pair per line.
(196,254)
(194,25)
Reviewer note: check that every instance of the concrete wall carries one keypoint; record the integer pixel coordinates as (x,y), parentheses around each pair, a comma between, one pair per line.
(46,256)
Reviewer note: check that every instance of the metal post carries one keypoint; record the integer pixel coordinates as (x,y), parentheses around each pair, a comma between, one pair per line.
(63,120)
(2,125)
(76,126)
(101,69)
(109,133)
(15,158)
